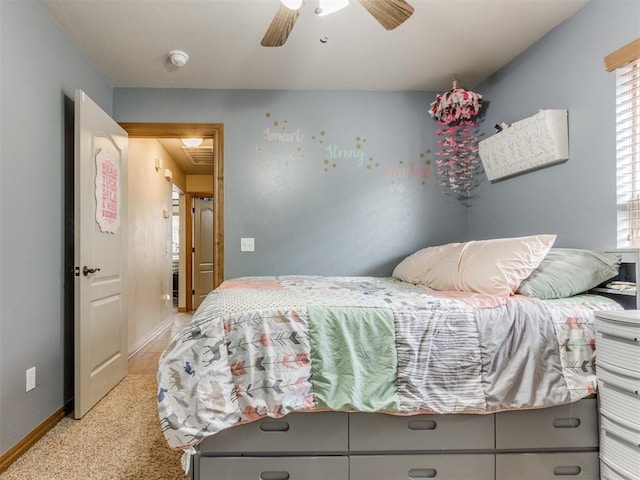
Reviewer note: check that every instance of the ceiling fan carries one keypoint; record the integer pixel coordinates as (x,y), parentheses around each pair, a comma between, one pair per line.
(388,13)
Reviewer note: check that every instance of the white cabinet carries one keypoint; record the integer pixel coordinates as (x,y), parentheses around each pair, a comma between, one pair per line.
(618,371)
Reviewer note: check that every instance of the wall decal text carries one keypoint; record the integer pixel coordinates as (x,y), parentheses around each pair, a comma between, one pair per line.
(335,152)
(283,137)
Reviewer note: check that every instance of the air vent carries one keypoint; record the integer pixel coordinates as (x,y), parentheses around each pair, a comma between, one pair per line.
(199,155)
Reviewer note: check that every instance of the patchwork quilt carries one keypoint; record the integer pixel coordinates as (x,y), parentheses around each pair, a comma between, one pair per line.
(268,346)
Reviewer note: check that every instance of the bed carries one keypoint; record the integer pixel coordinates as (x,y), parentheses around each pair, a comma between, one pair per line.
(309,377)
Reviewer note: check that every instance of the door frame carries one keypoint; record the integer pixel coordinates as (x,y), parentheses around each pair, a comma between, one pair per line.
(214,131)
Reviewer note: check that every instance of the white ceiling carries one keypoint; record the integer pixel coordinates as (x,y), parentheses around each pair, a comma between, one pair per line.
(128,41)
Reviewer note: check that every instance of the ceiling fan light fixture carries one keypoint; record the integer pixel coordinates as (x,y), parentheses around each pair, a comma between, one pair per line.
(292,4)
(327,7)
(192,142)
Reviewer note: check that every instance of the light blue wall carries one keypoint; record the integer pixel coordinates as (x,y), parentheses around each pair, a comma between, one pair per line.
(565,70)
(350,220)
(39,66)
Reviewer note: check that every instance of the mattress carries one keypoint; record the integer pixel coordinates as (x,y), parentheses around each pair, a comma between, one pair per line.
(269,346)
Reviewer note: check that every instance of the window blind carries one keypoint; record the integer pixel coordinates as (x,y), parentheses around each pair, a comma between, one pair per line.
(628,149)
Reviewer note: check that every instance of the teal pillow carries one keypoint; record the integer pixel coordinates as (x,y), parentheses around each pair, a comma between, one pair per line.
(565,272)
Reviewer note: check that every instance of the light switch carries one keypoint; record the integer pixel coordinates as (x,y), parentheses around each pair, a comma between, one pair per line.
(247,245)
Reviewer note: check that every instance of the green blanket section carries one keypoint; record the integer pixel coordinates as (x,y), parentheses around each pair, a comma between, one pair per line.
(353,358)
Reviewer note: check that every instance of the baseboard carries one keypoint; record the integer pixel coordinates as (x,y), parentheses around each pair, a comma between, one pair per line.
(161,330)
(182,310)
(40,431)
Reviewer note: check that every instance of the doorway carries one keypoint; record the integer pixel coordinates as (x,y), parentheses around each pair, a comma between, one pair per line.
(214,133)
(199,237)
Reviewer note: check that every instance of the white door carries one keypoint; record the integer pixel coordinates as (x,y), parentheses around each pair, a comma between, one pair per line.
(100,218)
(203,249)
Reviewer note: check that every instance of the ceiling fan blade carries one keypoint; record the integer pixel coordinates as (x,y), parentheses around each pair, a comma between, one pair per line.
(280,27)
(388,13)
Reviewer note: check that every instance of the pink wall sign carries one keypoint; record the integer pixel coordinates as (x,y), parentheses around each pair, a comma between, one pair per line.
(107,192)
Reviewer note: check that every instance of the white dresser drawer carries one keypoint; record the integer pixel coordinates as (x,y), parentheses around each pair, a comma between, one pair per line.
(619,395)
(618,339)
(274,468)
(418,467)
(297,432)
(548,466)
(619,447)
(370,432)
(608,473)
(567,426)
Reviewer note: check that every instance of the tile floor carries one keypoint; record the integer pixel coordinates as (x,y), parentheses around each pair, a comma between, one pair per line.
(145,360)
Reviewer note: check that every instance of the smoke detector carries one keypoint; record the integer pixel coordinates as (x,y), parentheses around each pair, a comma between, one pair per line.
(178,58)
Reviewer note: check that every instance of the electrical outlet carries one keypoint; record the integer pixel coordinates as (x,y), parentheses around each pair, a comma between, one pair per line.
(247,244)
(31,378)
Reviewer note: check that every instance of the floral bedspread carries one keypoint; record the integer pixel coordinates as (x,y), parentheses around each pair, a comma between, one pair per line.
(268,346)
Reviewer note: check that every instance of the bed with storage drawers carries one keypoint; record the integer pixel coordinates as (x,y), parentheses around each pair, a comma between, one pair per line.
(307,377)
(551,443)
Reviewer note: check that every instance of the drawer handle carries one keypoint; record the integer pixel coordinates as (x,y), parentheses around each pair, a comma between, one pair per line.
(274,476)
(274,427)
(567,471)
(422,473)
(619,338)
(630,443)
(566,422)
(419,425)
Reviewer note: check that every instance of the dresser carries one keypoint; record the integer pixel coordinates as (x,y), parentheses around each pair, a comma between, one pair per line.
(618,372)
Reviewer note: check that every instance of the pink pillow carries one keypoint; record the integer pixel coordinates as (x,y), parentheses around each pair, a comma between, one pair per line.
(495,267)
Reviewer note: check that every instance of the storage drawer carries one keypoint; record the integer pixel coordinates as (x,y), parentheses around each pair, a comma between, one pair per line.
(296,432)
(619,446)
(274,468)
(618,339)
(573,425)
(548,466)
(608,473)
(371,432)
(619,395)
(418,467)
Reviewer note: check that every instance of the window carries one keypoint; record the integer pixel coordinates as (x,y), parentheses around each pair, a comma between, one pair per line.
(626,63)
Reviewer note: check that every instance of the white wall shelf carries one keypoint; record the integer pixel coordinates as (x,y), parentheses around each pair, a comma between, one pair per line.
(535,142)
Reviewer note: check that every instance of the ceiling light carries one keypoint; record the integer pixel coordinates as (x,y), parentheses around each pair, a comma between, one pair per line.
(292,4)
(192,142)
(178,57)
(327,7)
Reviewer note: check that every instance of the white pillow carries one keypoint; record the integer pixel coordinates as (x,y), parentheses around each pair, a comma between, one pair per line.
(418,264)
(495,267)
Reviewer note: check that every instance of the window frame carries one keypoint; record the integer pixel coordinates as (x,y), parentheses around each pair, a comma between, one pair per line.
(626,62)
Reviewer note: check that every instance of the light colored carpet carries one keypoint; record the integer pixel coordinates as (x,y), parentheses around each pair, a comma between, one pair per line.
(119,439)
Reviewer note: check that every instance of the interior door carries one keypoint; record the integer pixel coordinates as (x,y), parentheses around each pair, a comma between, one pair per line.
(202,249)
(100,253)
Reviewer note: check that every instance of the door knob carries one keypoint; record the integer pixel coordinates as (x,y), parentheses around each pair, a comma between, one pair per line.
(86,271)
